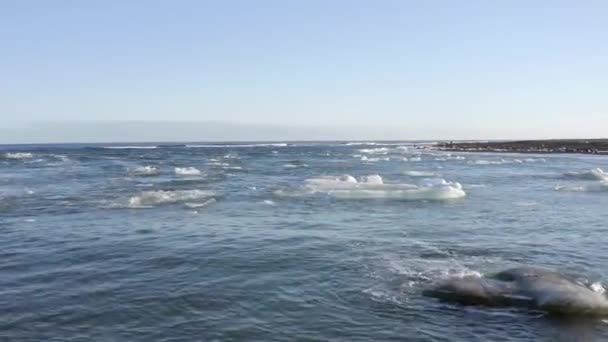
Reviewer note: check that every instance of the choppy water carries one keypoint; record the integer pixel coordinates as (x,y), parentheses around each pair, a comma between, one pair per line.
(272,242)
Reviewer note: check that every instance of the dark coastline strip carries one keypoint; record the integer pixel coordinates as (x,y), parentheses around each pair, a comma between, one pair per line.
(590,146)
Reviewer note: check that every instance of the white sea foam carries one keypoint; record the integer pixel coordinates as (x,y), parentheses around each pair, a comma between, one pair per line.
(145,171)
(597,287)
(594,174)
(525,203)
(187,171)
(129,147)
(62,157)
(414,173)
(237,145)
(269,202)
(535,160)
(599,186)
(151,198)
(218,164)
(488,162)
(295,165)
(374,187)
(193,205)
(18,155)
(372,179)
(598,175)
(380,150)
(415,159)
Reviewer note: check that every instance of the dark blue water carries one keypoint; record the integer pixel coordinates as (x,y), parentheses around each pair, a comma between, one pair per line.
(271,242)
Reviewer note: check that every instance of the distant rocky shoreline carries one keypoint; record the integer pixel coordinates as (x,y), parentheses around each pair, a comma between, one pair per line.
(591,146)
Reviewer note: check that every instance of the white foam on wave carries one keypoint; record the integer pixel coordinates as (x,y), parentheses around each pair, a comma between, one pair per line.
(415,159)
(269,202)
(61,157)
(525,203)
(420,271)
(379,150)
(594,174)
(217,163)
(18,155)
(597,287)
(187,171)
(293,164)
(144,171)
(370,187)
(129,147)
(535,160)
(148,199)
(488,162)
(193,205)
(600,186)
(237,145)
(373,160)
(360,143)
(413,173)
(597,174)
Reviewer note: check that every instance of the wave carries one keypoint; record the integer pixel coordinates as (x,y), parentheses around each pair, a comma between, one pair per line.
(373,186)
(598,175)
(171,146)
(237,145)
(128,147)
(148,199)
(600,186)
(506,161)
(217,163)
(420,173)
(194,205)
(488,162)
(269,202)
(187,171)
(18,155)
(373,160)
(293,164)
(379,150)
(145,171)
(594,174)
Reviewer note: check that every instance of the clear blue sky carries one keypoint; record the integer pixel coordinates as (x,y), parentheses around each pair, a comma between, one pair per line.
(435,69)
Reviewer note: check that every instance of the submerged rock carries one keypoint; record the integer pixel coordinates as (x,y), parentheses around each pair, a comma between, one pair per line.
(530,287)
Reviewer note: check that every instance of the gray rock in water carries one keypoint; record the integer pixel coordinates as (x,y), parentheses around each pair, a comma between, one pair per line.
(530,287)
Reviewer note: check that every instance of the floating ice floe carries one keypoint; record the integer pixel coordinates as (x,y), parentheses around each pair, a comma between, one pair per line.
(151,198)
(373,186)
(187,171)
(145,171)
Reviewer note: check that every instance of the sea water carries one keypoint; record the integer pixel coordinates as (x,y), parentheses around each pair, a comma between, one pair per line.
(287,241)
